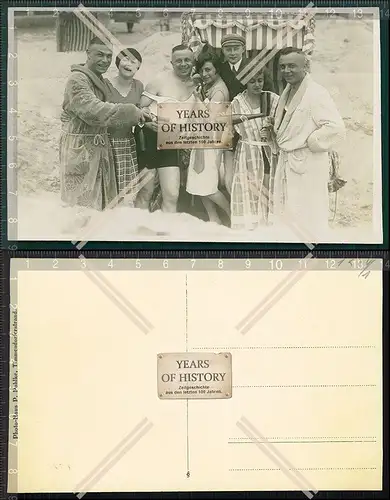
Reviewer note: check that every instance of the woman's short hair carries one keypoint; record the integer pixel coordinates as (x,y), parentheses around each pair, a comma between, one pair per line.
(208,56)
(268,84)
(123,54)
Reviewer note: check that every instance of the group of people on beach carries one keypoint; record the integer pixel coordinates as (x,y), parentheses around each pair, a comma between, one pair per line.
(277,167)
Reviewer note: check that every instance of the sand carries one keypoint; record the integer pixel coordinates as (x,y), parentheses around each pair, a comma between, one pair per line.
(343,63)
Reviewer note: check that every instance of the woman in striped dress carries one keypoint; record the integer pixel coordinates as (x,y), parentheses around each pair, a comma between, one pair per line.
(255,155)
(124,88)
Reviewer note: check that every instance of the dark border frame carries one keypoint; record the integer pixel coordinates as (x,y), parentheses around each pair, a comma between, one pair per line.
(186,250)
(63,245)
(4,407)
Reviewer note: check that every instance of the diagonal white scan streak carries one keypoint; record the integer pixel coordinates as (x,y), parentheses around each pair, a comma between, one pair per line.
(302,232)
(96,277)
(270,450)
(260,61)
(97,27)
(118,299)
(106,464)
(258,312)
(143,178)
(125,300)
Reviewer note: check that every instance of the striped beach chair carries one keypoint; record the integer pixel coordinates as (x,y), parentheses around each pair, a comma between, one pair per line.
(266,32)
(263,33)
(72,34)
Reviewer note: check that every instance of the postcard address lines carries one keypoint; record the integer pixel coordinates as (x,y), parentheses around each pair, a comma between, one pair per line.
(266,443)
(277,447)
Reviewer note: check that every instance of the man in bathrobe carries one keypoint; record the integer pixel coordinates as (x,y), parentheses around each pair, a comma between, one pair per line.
(87,171)
(307,126)
(86,161)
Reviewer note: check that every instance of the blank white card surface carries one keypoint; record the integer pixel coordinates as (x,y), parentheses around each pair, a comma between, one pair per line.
(196,380)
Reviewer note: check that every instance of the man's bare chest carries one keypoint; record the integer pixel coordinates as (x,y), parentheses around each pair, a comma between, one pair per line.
(177,90)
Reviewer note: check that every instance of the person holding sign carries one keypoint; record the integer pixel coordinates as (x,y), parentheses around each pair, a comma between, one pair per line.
(87,167)
(175,86)
(254,157)
(205,164)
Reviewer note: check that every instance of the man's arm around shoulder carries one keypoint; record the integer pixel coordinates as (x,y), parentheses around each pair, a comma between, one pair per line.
(81,101)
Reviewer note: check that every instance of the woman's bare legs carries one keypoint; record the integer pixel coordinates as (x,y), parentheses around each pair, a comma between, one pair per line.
(218,199)
(170,187)
(211,210)
(228,157)
(145,193)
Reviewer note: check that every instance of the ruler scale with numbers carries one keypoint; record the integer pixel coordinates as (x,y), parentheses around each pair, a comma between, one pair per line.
(209,259)
(201,264)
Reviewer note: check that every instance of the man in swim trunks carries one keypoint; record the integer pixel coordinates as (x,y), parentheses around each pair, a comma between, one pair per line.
(175,85)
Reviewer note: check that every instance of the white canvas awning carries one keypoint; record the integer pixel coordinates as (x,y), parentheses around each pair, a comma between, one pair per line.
(259,30)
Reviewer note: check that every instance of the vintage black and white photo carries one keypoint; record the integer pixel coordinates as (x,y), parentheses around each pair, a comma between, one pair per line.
(302,162)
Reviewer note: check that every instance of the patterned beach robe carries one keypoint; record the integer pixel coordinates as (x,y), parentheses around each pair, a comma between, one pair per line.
(249,161)
(123,144)
(305,133)
(87,171)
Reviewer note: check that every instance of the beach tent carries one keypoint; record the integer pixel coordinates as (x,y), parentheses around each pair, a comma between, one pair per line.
(266,33)
(72,34)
